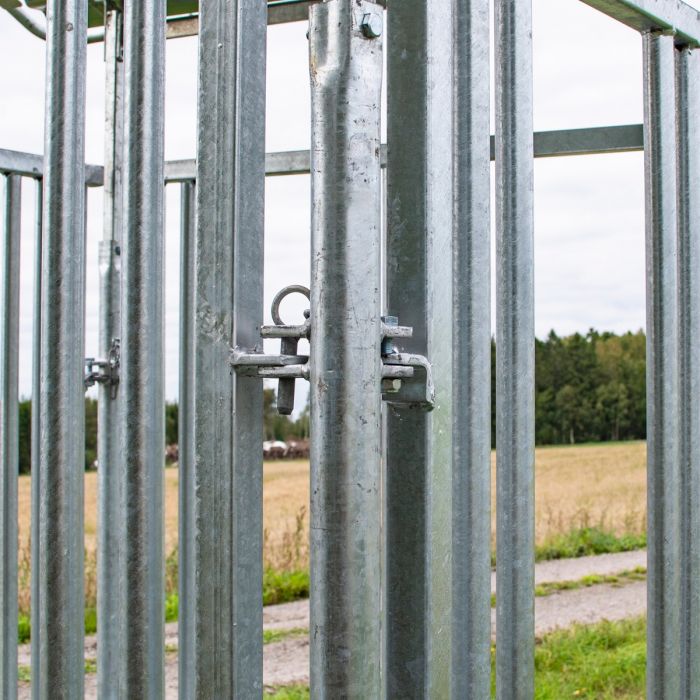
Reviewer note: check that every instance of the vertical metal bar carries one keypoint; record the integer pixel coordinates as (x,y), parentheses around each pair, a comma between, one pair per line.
(688,120)
(186,482)
(346,79)
(471,494)
(36,412)
(663,588)
(419,291)
(141,386)
(226,541)
(57,669)
(663,487)
(515,352)
(9,425)
(110,560)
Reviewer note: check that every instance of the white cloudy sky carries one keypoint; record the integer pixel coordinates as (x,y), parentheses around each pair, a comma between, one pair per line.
(589,229)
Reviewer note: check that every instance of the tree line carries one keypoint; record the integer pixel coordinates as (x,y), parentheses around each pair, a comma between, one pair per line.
(588,388)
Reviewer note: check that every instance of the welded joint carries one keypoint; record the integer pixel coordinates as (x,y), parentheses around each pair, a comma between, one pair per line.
(104,371)
(662,32)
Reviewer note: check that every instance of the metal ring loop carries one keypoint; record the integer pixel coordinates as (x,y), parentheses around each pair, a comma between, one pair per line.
(282,294)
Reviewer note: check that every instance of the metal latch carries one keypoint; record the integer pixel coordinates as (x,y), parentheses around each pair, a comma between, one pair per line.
(406,378)
(289,343)
(104,371)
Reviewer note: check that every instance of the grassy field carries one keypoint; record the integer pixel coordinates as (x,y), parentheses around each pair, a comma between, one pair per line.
(576,487)
(600,486)
(589,499)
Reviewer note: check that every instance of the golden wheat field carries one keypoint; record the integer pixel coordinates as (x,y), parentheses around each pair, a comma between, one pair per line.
(575,486)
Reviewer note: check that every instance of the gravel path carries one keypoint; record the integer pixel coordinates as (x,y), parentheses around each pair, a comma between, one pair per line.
(287,661)
(296,615)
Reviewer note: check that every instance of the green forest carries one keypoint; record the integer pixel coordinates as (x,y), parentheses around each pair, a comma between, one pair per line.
(589,388)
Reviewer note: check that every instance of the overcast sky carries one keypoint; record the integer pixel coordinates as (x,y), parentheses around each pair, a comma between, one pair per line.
(589,218)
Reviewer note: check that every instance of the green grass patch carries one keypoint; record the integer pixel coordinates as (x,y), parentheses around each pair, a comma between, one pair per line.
(623,578)
(284,586)
(289,692)
(24,628)
(270,636)
(172,608)
(605,661)
(278,587)
(24,673)
(24,625)
(90,620)
(587,541)
(620,579)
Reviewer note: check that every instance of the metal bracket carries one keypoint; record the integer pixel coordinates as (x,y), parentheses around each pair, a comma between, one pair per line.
(104,371)
(418,390)
(406,379)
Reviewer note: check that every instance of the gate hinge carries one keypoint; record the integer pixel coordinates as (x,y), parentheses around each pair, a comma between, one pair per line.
(104,371)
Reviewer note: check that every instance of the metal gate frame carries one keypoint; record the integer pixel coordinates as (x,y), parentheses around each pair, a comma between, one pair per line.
(420,515)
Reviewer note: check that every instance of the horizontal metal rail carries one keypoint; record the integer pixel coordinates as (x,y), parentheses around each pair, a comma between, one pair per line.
(671,16)
(589,141)
(548,144)
(184,20)
(642,15)
(32,165)
(34,21)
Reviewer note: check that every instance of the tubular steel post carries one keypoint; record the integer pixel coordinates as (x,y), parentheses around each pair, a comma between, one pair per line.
(515,353)
(141,399)
(471,493)
(186,483)
(36,412)
(420,292)
(110,562)
(688,119)
(9,425)
(57,668)
(663,473)
(346,78)
(225,543)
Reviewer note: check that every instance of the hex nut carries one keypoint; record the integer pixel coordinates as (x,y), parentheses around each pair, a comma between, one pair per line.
(372,25)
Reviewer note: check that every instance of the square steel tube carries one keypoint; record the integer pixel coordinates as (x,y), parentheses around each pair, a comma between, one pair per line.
(688,126)
(9,426)
(663,469)
(223,544)
(419,274)
(345,362)
(672,16)
(57,523)
(515,353)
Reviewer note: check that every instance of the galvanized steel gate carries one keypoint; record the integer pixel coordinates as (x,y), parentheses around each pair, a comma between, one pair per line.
(400,531)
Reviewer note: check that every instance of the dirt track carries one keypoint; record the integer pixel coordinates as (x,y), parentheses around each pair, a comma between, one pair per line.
(287,661)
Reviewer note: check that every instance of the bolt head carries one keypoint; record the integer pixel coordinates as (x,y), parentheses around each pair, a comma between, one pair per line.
(372,25)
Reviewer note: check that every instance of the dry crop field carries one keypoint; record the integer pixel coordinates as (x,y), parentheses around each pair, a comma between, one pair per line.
(600,485)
